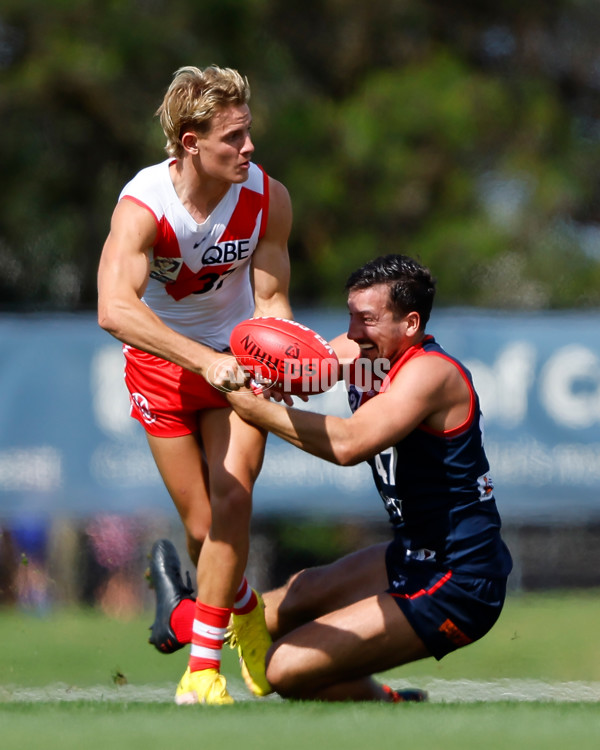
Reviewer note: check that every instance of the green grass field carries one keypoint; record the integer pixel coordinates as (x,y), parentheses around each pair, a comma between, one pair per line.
(76,679)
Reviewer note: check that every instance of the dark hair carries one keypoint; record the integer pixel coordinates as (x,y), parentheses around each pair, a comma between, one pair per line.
(412,287)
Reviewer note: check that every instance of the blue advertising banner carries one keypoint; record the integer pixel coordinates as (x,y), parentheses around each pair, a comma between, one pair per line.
(68,445)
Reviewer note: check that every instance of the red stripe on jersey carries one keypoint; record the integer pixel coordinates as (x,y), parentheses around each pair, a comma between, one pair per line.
(166,245)
(243,219)
(189,282)
(418,351)
(459,429)
(426,592)
(241,226)
(141,204)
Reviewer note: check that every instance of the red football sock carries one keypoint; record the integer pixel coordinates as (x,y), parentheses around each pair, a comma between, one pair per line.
(208,634)
(245,599)
(394,697)
(182,618)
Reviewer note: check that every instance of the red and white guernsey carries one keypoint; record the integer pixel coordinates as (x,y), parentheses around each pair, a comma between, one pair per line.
(199,281)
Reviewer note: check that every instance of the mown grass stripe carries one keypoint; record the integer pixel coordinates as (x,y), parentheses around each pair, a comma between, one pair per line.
(440,691)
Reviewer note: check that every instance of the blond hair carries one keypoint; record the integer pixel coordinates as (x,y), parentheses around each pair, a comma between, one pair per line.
(193,99)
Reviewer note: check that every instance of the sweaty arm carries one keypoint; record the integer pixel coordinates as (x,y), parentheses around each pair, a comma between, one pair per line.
(122,277)
(427,390)
(270,261)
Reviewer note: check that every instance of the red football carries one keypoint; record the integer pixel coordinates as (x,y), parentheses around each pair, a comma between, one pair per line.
(285,352)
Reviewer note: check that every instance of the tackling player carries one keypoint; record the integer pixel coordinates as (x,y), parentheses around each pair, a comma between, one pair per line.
(440,583)
(198,243)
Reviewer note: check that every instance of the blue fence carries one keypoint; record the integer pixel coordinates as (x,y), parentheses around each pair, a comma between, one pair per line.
(69,447)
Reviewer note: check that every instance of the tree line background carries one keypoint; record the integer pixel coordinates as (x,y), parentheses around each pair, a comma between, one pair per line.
(466,134)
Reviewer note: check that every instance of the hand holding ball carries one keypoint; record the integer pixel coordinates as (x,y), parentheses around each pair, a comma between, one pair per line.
(289,354)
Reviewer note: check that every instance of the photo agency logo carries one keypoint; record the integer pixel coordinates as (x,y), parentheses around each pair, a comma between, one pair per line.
(295,376)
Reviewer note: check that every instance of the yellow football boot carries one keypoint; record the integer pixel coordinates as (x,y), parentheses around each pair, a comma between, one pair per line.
(206,686)
(250,635)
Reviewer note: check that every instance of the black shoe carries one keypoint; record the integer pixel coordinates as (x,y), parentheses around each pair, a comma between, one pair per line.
(165,576)
(410,695)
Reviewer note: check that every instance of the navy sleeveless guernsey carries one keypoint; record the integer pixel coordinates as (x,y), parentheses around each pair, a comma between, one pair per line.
(436,486)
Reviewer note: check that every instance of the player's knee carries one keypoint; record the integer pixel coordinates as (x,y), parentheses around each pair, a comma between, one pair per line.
(280,673)
(301,595)
(197,526)
(194,543)
(293,595)
(231,503)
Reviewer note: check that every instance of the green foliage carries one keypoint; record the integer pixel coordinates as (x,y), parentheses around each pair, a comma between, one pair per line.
(466,134)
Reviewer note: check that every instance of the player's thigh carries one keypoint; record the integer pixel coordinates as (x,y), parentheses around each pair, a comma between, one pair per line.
(351,578)
(316,591)
(366,637)
(183,469)
(234,451)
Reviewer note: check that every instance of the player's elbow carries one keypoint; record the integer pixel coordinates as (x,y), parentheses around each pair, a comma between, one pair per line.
(109,318)
(346,454)
(344,441)
(106,319)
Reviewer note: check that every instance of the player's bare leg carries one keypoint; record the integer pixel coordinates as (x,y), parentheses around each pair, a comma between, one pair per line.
(214,506)
(234,453)
(183,469)
(316,591)
(181,464)
(333,657)
(217,532)
(237,453)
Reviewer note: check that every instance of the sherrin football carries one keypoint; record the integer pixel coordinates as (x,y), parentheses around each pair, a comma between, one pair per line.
(285,352)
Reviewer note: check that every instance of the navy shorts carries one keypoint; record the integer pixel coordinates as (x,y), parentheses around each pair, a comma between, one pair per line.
(446,609)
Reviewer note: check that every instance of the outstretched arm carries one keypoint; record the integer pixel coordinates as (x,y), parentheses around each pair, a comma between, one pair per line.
(428,390)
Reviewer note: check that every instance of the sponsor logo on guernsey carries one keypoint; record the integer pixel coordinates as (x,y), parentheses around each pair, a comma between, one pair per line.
(226,252)
(165,270)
